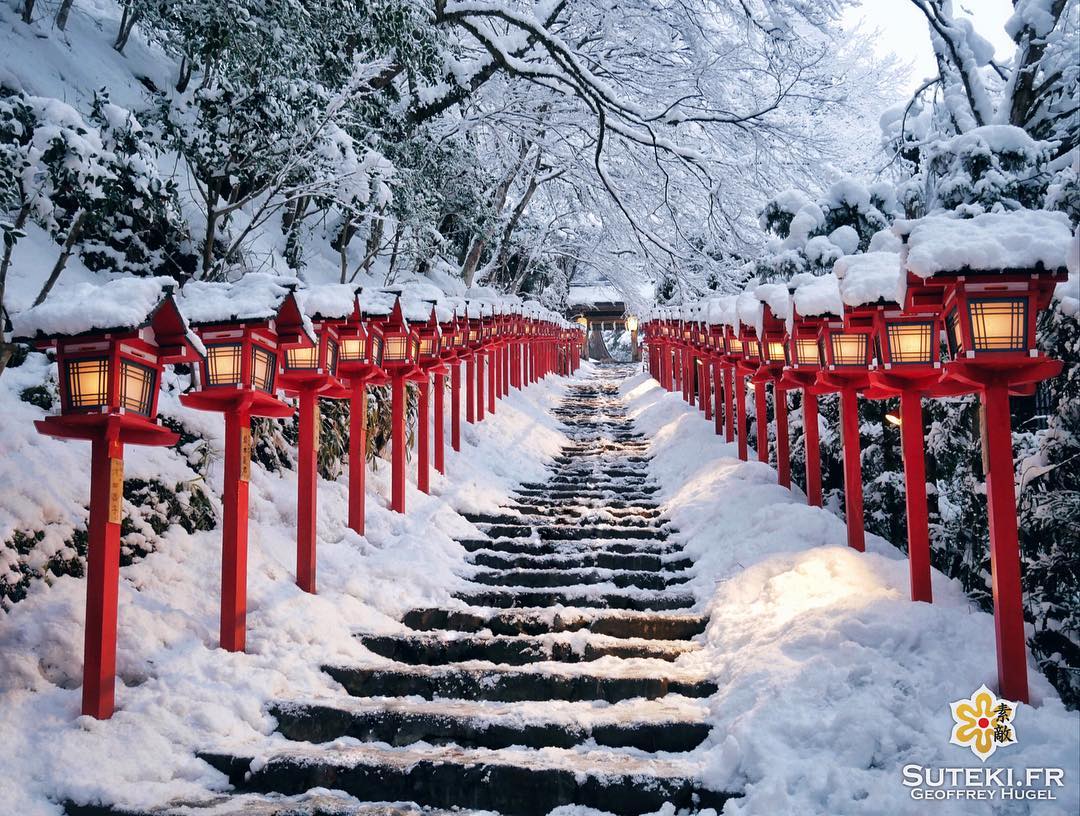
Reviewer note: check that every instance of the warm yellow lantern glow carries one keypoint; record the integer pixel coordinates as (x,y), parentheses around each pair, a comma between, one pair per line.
(998,324)
(583,322)
(631,323)
(735,345)
(223,364)
(776,351)
(396,348)
(136,387)
(88,383)
(376,350)
(428,346)
(910,342)
(806,351)
(263,363)
(892,419)
(302,358)
(849,349)
(353,349)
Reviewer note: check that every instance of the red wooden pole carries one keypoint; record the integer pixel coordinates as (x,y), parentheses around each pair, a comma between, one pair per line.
(480,387)
(234,534)
(918,526)
(706,388)
(718,391)
(440,443)
(493,379)
(505,370)
(853,492)
(761,409)
(813,449)
(455,406)
(357,457)
(470,392)
(423,439)
(306,492)
(729,418)
(1004,545)
(740,414)
(102,574)
(783,445)
(397,443)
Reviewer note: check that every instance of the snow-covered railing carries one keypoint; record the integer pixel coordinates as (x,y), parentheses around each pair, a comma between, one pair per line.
(953,312)
(249,343)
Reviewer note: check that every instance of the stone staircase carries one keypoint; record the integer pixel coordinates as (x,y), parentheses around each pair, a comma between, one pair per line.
(556,678)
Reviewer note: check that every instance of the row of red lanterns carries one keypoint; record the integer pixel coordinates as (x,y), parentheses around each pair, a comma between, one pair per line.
(110,380)
(879,350)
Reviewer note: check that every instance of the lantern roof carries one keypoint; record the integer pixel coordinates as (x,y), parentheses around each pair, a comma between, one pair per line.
(121,305)
(777,297)
(722,311)
(748,308)
(1022,240)
(871,278)
(256,296)
(292,323)
(816,295)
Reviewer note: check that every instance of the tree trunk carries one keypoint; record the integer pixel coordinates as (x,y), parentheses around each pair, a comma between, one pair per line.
(186,66)
(472,260)
(62,14)
(343,246)
(28,11)
(127,24)
(5,262)
(211,226)
(65,253)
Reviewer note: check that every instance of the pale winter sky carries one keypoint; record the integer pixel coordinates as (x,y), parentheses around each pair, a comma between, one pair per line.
(903,30)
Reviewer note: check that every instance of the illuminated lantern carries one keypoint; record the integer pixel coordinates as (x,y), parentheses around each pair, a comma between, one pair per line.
(991,295)
(774,308)
(845,358)
(307,328)
(906,347)
(112,343)
(802,369)
(632,324)
(238,377)
(360,356)
(401,350)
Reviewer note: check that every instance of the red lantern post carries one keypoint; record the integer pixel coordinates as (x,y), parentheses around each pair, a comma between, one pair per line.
(991,298)
(429,362)
(802,369)
(401,347)
(238,377)
(310,371)
(774,309)
(109,377)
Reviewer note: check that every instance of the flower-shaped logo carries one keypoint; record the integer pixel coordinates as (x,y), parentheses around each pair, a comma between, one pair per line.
(983,722)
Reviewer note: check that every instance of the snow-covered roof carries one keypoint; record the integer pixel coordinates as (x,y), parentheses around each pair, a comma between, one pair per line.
(722,311)
(332,301)
(256,296)
(124,303)
(871,278)
(816,295)
(777,297)
(749,309)
(1023,239)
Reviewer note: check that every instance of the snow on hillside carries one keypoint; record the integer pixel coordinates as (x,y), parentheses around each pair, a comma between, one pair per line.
(831,680)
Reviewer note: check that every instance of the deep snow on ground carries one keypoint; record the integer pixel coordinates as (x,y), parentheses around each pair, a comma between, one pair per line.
(831,680)
(177,692)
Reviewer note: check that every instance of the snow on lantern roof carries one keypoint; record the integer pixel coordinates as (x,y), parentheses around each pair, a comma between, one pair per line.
(124,304)
(376,303)
(749,309)
(991,242)
(256,296)
(722,311)
(778,299)
(330,301)
(873,277)
(816,295)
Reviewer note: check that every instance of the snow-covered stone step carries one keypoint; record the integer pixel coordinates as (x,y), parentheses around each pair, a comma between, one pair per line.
(563,577)
(547,492)
(622,624)
(604,596)
(655,528)
(513,781)
(536,682)
(564,516)
(537,547)
(519,650)
(673,724)
(544,510)
(311,803)
(577,559)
